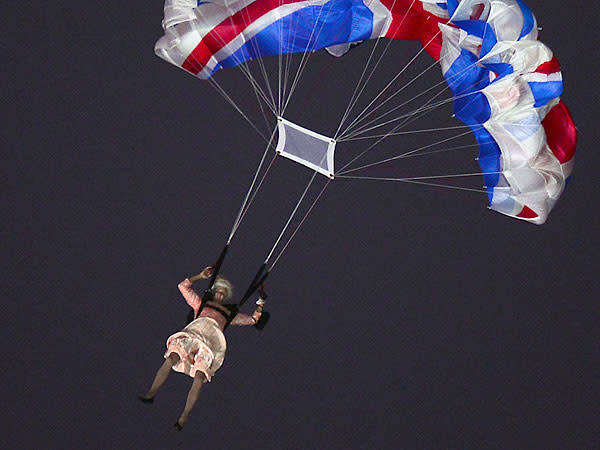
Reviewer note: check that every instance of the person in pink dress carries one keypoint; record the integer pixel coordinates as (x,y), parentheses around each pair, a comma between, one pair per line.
(199,349)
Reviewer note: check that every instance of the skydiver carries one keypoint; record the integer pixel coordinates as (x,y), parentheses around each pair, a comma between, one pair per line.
(199,349)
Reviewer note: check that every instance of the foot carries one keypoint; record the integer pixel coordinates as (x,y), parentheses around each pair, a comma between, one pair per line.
(178,426)
(146,399)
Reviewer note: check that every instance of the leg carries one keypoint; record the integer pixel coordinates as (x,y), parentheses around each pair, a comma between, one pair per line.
(191,399)
(161,377)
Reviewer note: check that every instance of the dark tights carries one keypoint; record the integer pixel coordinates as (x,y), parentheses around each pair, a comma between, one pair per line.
(161,376)
(193,395)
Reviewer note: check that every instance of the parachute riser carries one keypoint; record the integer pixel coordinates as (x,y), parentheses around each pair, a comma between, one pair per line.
(208,294)
(255,285)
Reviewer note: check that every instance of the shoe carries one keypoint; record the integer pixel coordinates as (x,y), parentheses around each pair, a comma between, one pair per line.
(178,426)
(146,399)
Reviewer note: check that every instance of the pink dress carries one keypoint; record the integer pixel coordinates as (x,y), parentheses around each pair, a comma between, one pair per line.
(201,345)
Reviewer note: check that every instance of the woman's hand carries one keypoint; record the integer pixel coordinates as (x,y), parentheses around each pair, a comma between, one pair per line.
(207,272)
(204,275)
(260,303)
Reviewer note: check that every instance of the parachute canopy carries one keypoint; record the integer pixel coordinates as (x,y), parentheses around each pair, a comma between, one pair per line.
(506,84)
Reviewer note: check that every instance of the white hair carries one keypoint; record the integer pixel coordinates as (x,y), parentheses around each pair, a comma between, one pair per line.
(222,282)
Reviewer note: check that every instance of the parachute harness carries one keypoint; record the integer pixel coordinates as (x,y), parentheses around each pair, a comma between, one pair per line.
(257,284)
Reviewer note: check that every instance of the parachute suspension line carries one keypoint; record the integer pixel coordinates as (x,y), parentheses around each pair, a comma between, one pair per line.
(353,101)
(428,177)
(285,68)
(262,110)
(364,128)
(403,155)
(417,181)
(299,225)
(257,91)
(305,58)
(245,201)
(352,136)
(409,120)
(260,104)
(256,191)
(279,64)
(266,79)
(261,64)
(316,76)
(428,130)
(361,128)
(373,145)
(221,91)
(406,66)
(425,108)
(441,150)
(245,69)
(288,60)
(421,109)
(354,98)
(291,217)
(347,132)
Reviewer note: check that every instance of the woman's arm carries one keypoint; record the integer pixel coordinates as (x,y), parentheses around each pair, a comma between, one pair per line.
(245,319)
(192,299)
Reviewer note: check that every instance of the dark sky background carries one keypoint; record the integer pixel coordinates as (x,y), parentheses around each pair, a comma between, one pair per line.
(403,316)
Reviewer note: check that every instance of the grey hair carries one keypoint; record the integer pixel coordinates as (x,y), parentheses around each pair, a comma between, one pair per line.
(222,282)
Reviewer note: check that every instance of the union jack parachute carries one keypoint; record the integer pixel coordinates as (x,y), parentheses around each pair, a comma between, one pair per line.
(506,84)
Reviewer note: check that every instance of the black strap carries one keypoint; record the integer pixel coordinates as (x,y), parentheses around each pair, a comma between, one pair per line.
(217,268)
(231,309)
(255,285)
(258,280)
(207,296)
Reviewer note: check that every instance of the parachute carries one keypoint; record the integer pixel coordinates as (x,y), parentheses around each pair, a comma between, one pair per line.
(505,83)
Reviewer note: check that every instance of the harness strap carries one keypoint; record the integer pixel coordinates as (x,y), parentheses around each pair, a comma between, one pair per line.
(217,268)
(256,284)
(208,294)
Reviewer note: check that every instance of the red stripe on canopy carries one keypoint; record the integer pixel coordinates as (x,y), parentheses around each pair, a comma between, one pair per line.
(228,30)
(549,67)
(561,133)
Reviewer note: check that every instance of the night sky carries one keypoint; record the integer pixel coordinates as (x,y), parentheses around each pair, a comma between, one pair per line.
(402,316)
